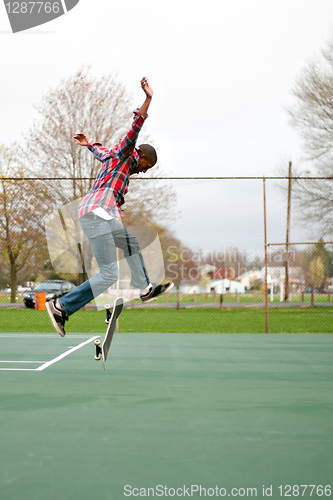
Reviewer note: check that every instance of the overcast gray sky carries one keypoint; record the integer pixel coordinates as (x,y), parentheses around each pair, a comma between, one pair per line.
(221,72)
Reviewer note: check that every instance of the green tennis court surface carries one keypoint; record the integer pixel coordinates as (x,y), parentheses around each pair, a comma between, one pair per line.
(236,412)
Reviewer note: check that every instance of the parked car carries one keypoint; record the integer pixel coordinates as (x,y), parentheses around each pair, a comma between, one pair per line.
(53,289)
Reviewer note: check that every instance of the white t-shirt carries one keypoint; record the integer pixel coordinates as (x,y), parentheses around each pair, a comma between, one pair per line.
(100,212)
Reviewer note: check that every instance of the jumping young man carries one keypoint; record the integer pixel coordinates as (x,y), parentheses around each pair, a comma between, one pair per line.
(99,213)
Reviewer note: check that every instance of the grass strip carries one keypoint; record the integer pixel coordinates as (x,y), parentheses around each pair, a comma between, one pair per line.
(302,320)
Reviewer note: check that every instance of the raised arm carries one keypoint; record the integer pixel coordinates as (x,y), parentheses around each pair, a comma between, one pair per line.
(97,149)
(82,140)
(127,145)
(149,95)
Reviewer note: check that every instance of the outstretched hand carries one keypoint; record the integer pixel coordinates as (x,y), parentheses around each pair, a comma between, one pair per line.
(82,139)
(146,87)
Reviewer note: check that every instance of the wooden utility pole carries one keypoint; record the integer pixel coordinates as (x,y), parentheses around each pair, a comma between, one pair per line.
(286,282)
(266,258)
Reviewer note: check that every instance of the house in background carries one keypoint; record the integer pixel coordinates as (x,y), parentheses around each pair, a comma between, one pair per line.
(189,287)
(249,279)
(277,276)
(228,273)
(226,286)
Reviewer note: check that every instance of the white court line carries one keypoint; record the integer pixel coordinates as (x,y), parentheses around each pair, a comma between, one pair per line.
(47,363)
(67,353)
(39,336)
(27,335)
(17,369)
(23,362)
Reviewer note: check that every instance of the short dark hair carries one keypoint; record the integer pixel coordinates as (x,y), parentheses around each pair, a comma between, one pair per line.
(149,152)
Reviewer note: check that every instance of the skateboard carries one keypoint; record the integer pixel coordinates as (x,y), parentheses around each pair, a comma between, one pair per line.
(111,321)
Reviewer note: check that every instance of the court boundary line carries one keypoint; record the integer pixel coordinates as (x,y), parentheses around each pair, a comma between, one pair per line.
(19,335)
(22,362)
(67,353)
(47,364)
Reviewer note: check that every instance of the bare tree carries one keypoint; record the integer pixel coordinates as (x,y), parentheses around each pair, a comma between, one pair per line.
(77,103)
(101,108)
(23,206)
(312,115)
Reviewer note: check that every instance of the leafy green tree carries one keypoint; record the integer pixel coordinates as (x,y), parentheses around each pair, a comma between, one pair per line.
(316,273)
(326,257)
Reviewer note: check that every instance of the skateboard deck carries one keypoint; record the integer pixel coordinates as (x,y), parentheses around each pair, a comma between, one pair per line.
(111,320)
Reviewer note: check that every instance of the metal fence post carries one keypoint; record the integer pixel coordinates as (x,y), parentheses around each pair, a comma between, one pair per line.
(265,238)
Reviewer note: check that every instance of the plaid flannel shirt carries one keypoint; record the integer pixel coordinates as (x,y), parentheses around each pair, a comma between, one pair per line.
(112,181)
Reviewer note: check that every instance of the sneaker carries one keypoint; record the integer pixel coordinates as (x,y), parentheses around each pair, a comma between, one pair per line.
(58,317)
(154,292)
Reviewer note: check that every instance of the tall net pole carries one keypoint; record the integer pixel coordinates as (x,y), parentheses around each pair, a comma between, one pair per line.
(266,259)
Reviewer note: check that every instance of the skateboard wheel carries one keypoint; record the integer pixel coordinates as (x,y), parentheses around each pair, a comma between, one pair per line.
(97,358)
(97,342)
(108,306)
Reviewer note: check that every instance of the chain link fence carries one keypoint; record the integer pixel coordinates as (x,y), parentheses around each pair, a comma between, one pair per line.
(247,246)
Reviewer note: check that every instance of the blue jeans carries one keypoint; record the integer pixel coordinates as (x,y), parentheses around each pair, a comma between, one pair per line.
(105,236)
